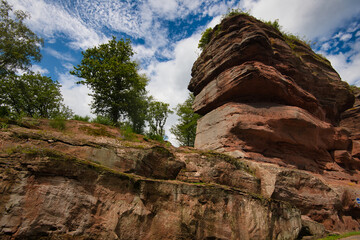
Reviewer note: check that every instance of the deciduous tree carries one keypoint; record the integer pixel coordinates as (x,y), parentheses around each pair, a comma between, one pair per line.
(117,88)
(34,95)
(185,130)
(19,46)
(157,115)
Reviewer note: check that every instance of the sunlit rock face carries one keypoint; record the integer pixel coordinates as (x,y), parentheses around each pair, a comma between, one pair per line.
(269,99)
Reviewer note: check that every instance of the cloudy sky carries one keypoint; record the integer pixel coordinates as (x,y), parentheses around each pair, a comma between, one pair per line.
(165,34)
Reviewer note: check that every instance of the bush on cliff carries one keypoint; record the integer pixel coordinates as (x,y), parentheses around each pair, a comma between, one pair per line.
(205,38)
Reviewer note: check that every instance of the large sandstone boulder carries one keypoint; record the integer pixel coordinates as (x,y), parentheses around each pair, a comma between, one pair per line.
(267,98)
(245,45)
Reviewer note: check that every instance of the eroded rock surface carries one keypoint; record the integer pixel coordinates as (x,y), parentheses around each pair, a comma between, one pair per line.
(272,101)
(72,185)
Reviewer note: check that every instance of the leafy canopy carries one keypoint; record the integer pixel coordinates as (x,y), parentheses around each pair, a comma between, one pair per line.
(117,87)
(185,130)
(18,44)
(34,95)
(157,115)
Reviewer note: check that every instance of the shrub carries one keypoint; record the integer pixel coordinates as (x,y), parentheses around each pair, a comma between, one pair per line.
(235,12)
(98,131)
(103,120)
(275,24)
(3,125)
(58,123)
(80,118)
(155,137)
(127,132)
(205,38)
(4,111)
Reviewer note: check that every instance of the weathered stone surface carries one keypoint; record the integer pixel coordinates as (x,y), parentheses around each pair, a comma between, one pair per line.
(216,168)
(74,187)
(311,229)
(51,198)
(326,202)
(350,120)
(254,81)
(286,135)
(273,102)
(242,39)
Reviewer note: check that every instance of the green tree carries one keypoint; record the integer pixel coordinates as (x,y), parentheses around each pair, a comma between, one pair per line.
(185,130)
(113,77)
(19,46)
(157,115)
(34,95)
(137,107)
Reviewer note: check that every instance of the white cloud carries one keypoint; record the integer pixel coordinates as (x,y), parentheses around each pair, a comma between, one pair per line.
(39,69)
(326,46)
(314,19)
(169,79)
(75,96)
(346,37)
(51,21)
(347,64)
(357,34)
(59,55)
(142,52)
(165,8)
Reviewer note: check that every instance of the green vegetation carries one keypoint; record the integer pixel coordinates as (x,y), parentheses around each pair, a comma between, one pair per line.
(97,131)
(29,94)
(58,123)
(127,133)
(33,95)
(80,118)
(118,90)
(234,12)
(205,38)
(185,130)
(3,125)
(334,237)
(103,120)
(157,115)
(290,39)
(117,87)
(210,32)
(19,46)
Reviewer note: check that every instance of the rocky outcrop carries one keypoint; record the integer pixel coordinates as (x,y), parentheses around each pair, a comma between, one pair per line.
(267,98)
(350,120)
(245,53)
(73,185)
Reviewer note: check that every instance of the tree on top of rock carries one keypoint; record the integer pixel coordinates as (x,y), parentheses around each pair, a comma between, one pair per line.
(157,115)
(185,130)
(114,80)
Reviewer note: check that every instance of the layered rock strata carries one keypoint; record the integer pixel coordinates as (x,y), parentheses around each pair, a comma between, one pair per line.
(268,98)
(73,185)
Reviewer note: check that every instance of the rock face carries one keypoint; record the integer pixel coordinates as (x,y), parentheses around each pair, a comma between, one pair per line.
(72,185)
(269,99)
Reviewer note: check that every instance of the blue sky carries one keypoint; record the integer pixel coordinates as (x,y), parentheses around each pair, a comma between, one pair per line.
(165,34)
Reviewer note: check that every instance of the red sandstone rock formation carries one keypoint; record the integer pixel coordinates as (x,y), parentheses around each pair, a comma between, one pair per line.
(72,185)
(270,99)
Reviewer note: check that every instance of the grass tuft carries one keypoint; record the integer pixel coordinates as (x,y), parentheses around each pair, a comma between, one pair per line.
(58,123)
(336,236)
